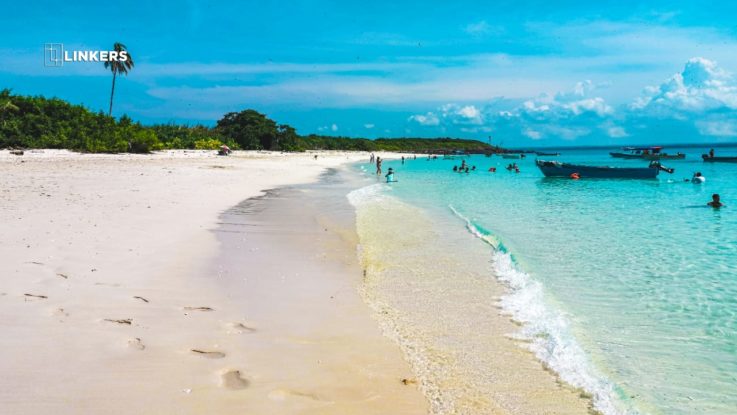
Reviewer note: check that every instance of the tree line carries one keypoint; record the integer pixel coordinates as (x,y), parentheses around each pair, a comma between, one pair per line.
(39,122)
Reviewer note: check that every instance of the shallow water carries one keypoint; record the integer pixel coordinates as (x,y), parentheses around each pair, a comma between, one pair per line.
(628,288)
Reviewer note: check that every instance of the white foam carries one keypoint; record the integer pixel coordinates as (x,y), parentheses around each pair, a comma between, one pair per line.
(365,194)
(546,328)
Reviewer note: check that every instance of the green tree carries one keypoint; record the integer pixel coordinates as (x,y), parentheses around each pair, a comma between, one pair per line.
(118,66)
(250,129)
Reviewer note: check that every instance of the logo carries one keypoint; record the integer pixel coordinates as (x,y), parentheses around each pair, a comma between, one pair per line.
(55,55)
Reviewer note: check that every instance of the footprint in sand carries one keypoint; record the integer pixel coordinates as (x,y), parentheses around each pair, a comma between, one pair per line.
(121,321)
(239,328)
(136,343)
(35,297)
(209,354)
(233,379)
(198,309)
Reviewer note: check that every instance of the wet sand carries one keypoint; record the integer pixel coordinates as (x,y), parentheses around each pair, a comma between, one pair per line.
(288,261)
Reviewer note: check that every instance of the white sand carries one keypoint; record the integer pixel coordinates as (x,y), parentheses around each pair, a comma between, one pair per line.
(90,238)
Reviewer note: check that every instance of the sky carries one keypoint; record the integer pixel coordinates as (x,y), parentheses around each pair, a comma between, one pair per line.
(518,73)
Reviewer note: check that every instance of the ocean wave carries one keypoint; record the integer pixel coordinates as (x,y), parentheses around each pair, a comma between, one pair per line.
(366,194)
(546,329)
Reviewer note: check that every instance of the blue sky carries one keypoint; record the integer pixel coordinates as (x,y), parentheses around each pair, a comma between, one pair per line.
(526,73)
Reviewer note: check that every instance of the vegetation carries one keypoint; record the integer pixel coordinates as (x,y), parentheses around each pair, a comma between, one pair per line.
(38,122)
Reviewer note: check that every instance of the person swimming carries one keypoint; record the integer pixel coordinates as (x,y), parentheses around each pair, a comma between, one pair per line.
(716,202)
(698,178)
(455,168)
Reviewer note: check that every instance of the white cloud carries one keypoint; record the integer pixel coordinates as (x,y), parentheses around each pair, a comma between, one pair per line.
(532,134)
(702,86)
(332,127)
(456,114)
(368,126)
(720,128)
(428,119)
(616,132)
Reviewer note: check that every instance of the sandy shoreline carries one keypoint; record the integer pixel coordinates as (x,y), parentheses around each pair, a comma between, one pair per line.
(101,303)
(179,283)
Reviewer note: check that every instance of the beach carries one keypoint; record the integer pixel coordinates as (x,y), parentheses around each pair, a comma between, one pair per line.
(184,282)
(109,300)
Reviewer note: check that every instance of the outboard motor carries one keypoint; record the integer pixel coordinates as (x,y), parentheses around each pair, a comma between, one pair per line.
(657,165)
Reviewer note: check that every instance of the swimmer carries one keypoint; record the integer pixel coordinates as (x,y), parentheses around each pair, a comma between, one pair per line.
(716,203)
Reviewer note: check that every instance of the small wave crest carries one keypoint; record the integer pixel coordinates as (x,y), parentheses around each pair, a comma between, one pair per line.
(365,194)
(545,328)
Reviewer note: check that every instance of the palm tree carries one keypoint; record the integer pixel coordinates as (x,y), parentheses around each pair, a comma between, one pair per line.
(118,67)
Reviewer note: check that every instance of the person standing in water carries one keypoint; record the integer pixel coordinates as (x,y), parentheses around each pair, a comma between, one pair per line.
(402,159)
(378,165)
(371,160)
(390,176)
(711,153)
(716,202)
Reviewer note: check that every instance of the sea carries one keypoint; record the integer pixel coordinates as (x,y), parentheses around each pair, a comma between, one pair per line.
(626,289)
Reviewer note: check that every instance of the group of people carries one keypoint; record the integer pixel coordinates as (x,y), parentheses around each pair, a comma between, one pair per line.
(513,167)
(464,168)
(389,174)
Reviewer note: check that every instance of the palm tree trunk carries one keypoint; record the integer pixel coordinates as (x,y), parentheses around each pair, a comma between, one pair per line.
(112,92)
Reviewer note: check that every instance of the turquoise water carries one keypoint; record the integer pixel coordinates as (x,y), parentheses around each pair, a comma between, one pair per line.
(628,288)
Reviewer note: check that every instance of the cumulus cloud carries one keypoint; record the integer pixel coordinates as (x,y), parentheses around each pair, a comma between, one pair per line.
(566,115)
(462,115)
(699,101)
(428,119)
(368,126)
(701,86)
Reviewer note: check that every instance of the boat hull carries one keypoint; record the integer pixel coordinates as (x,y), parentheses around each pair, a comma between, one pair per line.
(555,169)
(708,159)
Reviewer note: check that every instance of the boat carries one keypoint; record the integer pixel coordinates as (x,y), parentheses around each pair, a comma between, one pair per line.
(646,153)
(718,159)
(511,156)
(540,153)
(551,168)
